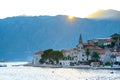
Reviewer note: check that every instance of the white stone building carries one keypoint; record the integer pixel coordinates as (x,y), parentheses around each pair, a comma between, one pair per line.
(107,56)
(118,57)
(66,63)
(108,42)
(37,58)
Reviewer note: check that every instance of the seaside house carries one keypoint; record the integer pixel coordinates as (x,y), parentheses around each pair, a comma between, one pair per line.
(118,57)
(107,56)
(70,56)
(101,41)
(108,42)
(37,58)
(66,63)
(69,53)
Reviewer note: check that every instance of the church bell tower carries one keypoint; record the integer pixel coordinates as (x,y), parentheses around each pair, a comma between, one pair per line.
(80,45)
(80,39)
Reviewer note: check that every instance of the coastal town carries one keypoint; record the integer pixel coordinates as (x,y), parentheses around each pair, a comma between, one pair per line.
(95,53)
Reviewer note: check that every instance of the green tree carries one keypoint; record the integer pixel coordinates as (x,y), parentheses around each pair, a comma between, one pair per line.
(42,61)
(64,58)
(102,46)
(51,55)
(115,36)
(95,56)
(68,57)
(87,51)
(46,54)
(56,55)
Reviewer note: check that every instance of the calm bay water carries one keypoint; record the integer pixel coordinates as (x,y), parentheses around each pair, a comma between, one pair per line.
(37,73)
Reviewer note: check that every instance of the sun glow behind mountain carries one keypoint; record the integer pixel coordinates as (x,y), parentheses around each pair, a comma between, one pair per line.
(105,14)
(71,18)
(96,14)
(77,8)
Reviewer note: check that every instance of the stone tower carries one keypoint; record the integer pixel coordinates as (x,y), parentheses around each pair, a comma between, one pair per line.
(80,45)
(80,39)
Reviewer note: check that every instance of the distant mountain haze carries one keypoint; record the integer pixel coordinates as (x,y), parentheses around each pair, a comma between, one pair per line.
(22,36)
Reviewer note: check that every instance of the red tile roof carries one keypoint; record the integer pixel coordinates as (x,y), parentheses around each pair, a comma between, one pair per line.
(40,52)
(101,51)
(95,63)
(109,40)
(66,51)
(93,47)
(118,54)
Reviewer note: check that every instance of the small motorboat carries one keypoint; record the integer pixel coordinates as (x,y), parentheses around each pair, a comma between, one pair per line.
(3,65)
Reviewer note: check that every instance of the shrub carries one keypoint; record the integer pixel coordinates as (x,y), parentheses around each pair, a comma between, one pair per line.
(107,64)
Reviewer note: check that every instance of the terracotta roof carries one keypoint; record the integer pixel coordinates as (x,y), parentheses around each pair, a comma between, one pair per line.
(93,47)
(69,50)
(95,63)
(101,51)
(40,52)
(75,49)
(66,51)
(87,44)
(118,54)
(109,40)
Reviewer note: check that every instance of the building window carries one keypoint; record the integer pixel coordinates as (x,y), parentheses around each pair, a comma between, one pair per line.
(83,55)
(82,59)
(81,47)
(36,58)
(72,53)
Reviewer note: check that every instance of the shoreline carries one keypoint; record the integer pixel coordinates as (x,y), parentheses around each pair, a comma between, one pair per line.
(79,67)
(16,64)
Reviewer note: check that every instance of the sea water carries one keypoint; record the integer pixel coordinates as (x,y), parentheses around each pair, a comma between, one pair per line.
(41,73)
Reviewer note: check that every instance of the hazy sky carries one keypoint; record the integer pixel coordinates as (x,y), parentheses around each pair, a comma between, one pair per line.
(78,8)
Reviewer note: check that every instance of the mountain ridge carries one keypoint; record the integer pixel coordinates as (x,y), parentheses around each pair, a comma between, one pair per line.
(105,14)
(22,36)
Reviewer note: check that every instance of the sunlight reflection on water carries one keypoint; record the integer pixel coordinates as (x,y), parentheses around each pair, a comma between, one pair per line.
(37,73)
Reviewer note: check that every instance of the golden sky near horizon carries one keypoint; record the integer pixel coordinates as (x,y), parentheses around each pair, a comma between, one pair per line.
(96,14)
(77,8)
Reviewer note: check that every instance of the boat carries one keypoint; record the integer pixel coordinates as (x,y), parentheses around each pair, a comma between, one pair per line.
(3,65)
